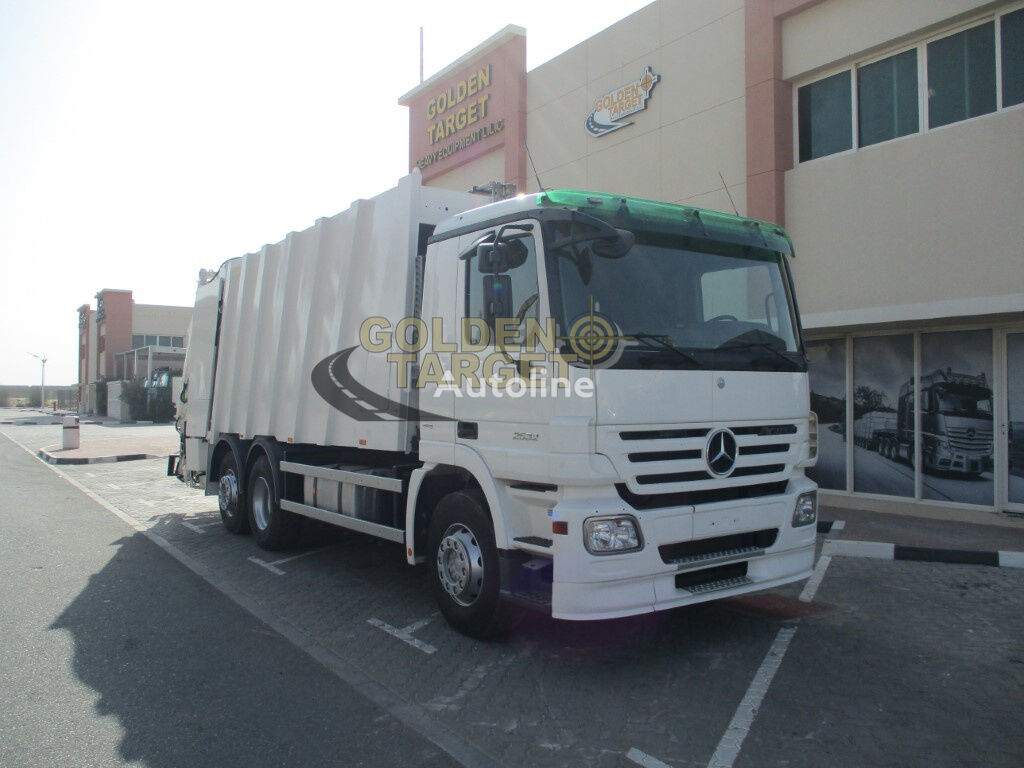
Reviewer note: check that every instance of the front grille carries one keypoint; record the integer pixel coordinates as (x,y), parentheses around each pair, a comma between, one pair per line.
(980,442)
(668,459)
(706,496)
(685,552)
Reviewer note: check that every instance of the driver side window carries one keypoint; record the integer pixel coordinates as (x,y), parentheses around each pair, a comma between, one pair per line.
(506,294)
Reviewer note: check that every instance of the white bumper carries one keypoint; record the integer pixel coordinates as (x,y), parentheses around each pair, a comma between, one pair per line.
(588,586)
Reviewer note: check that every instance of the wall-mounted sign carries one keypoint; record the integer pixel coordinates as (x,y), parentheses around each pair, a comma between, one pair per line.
(611,109)
(474,107)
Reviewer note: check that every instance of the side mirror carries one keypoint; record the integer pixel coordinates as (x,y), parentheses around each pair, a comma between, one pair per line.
(497,258)
(497,298)
(615,247)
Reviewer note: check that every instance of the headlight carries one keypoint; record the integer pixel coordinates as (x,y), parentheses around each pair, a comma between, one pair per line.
(806,510)
(610,535)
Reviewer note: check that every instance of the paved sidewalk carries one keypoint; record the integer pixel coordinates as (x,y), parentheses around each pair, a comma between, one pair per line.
(124,447)
(1004,534)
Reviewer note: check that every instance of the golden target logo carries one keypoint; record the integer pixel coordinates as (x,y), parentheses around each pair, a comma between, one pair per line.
(596,340)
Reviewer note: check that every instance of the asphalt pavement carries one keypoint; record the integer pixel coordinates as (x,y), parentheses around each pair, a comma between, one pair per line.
(112,654)
(134,627)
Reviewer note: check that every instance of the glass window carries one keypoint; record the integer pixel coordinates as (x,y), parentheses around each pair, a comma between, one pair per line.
(138,341)
(825,117)
(150,341)
(1012,39)
(178,341)
(883,415)
(887,98)
(508,294)
(956,417)
(826,367)
(164,341)
(962,75)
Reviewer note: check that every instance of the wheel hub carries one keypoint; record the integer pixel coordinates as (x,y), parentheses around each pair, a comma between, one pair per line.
(460,564)
(227,493)
(261,503)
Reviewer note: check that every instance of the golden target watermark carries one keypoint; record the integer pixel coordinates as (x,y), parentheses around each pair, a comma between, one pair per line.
(509,356)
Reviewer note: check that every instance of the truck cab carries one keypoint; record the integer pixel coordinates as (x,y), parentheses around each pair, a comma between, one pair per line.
(652,453)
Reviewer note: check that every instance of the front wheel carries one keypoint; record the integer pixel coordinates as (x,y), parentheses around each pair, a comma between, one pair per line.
(463,564)
(272,527)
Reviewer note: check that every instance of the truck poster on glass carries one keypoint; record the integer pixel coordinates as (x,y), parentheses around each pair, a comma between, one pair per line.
(883,415)
(827,371)
(956,417)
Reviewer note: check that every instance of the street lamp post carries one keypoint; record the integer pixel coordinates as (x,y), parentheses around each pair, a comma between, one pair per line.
(42,384)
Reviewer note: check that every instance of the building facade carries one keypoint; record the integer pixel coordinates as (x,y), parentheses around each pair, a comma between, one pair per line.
(118,333)
(887,137)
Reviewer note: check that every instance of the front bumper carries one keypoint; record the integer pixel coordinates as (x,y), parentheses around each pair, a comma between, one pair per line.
(587,586)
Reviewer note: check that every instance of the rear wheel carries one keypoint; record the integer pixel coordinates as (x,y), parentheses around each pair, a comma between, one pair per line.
(463,565)
(272,527)
(229,495)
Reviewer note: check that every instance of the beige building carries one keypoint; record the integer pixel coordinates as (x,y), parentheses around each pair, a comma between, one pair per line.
(120,339)
(887,137)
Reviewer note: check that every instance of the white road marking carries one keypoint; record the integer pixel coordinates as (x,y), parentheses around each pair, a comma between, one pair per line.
(115,487)
(1011,559)
(463,752)
(91,474)
(874,549)
(815,581)
(147,502)
(272,566)
(192,527)
(404,634)
(642,758)
(732,740)
(269,566)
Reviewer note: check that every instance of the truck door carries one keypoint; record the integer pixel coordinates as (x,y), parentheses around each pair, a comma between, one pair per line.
(499,413)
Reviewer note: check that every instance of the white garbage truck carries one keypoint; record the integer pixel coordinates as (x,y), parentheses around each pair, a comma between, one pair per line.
(588,404)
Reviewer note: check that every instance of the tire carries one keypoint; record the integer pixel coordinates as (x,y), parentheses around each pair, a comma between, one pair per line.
(230,499)
(271,526)
(462,561)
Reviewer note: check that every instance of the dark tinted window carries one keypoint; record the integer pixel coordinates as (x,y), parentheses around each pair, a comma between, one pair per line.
(962,75)
(825,117)
(1012,39)
(887,98)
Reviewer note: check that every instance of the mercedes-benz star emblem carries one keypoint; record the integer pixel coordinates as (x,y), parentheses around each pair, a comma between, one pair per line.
(721,453)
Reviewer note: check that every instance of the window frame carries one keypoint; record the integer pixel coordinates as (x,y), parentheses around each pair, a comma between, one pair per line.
(921,45)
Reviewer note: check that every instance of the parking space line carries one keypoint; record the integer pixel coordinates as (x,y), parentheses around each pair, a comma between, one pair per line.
(642,758)
(811,587)
(732,740)
(272,566)
(404,634)
(193,527)
(147,502)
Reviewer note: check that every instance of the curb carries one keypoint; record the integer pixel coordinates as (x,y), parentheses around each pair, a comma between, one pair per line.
(886,551)
(50,459)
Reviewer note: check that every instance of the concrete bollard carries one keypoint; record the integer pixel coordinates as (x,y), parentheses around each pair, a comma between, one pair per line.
(72,439)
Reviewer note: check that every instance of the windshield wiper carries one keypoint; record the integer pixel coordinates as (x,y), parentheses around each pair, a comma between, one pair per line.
(660,340)
(762,345)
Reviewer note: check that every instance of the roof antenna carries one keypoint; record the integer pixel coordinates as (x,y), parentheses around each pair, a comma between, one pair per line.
(534,166)
(726,187)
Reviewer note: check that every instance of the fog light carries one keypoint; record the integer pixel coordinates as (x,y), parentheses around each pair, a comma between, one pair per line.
(806,510)
(610,535)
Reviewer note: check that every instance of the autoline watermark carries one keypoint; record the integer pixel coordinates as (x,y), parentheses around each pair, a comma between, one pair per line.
(506,357)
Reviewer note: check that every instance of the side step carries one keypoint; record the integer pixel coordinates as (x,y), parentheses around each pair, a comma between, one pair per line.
(345,521)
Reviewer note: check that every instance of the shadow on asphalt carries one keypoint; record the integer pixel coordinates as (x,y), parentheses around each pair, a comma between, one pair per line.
(195,680)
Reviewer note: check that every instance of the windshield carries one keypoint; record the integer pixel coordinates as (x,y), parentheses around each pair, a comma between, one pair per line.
(967,402)
(678,301)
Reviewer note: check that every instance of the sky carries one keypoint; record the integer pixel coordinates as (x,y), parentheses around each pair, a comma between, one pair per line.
(140,142)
